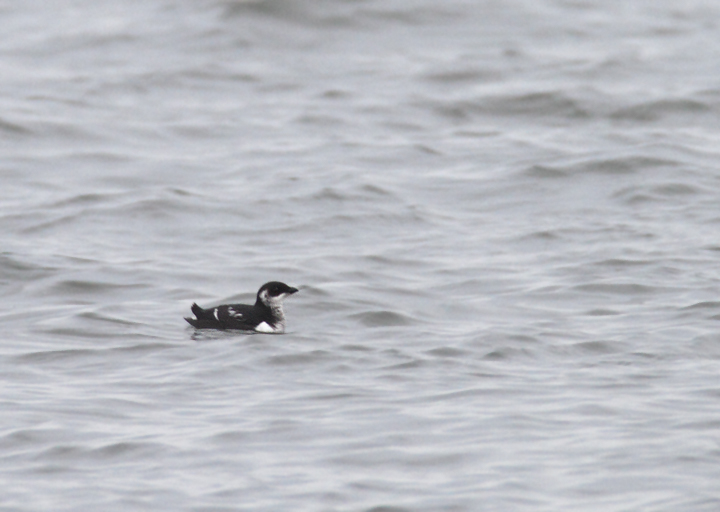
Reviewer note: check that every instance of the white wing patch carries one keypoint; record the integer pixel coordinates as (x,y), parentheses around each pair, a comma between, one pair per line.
(215,312)
(234,313)
(264,327)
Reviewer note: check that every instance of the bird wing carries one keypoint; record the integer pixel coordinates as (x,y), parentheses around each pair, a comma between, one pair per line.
(226,316)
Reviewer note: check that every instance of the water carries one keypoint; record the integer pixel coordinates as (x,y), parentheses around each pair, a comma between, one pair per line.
(502,217)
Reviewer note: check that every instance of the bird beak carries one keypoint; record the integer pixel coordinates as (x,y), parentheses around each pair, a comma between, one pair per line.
(293,290)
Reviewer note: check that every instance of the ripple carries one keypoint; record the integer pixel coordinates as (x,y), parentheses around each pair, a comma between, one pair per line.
(603,312)
(62,453)
(83,199)
(623,166)
(124,450)
(598,347)
(26,438)
(91,287)
(627,289)
(508,353)
(676,189)
(408,365)
(14,267)
(94,315)
(546,172)
(144,348)
(538,105)
(656,110)
(459,76)
(712,304)
(626,165)
(301,358)
(387,508)
(639,194)
(58,221)
(622,263)
(341,396)
(10,128)
(50,356)
(130,449)
(293,12)
(356,348)
(382,319)
(450,352)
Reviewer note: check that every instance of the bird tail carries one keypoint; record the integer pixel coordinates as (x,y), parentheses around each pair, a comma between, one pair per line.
(199,312)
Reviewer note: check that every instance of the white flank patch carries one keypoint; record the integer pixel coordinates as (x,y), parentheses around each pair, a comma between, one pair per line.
(216,317)
(264,327)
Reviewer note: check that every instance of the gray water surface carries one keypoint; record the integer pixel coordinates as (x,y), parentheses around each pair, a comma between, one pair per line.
(502,216)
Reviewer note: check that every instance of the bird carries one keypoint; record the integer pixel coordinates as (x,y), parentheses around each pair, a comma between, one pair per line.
(266,316)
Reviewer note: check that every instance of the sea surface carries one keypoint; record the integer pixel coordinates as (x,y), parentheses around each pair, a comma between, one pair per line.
(503,218)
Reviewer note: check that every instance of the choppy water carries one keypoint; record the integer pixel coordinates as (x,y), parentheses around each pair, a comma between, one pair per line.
(503,218)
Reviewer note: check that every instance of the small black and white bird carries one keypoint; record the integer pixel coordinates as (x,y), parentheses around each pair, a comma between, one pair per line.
(266,315)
